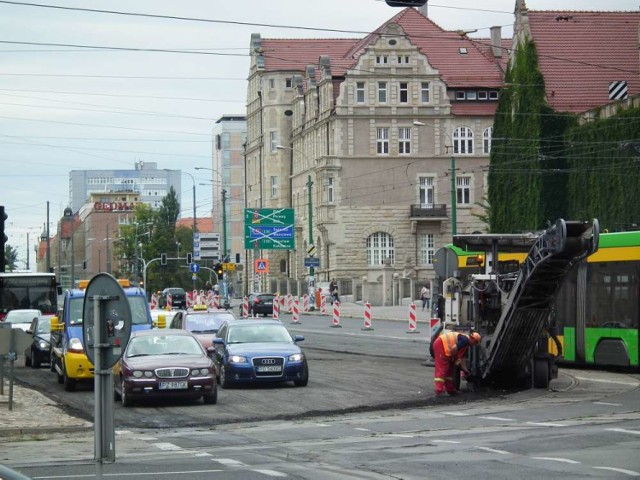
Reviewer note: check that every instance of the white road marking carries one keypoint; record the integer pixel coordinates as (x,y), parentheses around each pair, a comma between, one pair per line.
(623,430)
(500,419)
(203,454)
(608,404)
(362,429)
(616,382)
(546,424)
(493,450)
(167,446)
(130,474)
(271,473)
(122,432)
(398,435)
(563,460)
(230,462)
(456,414)
(620,470)
(445,441)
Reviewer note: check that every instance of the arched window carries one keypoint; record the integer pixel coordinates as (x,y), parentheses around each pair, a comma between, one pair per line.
(379,247)
(463,141)
(486,140)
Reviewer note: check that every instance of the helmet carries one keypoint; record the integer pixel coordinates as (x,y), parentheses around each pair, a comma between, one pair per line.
(475,338)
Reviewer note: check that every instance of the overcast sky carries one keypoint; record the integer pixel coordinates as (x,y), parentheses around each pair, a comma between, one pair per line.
(65,107)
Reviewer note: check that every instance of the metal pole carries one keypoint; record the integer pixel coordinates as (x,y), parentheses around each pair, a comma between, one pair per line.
(73,256)
(225,286)
(108,259)
(48,242)
(311,269)
(454,227)
(195,227)
(27,251)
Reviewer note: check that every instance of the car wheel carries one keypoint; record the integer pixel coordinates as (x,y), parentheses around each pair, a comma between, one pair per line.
(224,380)
(69,383)
(126,400)
(304,379)
(211,398)
(35,360)
(27,359)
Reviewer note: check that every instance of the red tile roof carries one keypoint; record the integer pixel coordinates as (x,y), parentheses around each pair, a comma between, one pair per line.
(203,224)
(477,68)
(580,53)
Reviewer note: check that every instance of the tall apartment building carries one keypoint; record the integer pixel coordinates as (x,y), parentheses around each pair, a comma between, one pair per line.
(389,135)
(145,179)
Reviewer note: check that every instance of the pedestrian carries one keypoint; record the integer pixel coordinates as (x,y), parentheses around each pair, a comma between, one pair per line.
(333,291)
(449,350)
(425,295)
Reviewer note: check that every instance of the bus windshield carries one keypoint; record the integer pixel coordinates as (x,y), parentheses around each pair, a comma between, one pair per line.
(28,291)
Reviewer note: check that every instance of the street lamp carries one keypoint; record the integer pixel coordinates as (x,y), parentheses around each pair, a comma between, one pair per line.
(454,222)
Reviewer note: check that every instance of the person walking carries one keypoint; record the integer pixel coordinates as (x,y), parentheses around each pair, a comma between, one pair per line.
(333,291)
(449,352)
(425,296)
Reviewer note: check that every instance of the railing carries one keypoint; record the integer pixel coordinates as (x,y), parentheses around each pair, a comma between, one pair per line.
(436,210)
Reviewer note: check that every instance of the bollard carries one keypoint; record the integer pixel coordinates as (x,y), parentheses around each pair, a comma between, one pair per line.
(412,319)
(323,304)
(289,303)
(276,307)
(245,307)
(336,315)
(295,318)
(305,302)
(367,317)
(154,301)
(216,301)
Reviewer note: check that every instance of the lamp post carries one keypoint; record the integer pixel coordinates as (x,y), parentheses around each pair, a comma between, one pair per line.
(454,221)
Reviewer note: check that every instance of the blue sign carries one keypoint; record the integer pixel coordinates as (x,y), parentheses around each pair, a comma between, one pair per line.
(311,262)
(271,232)
(194,268)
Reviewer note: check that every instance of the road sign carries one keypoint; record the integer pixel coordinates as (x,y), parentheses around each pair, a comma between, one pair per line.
(311,250)
(229,267)
(206,245)
(20,342)
(269,228)
(261,265)
(311,262)
(194,268)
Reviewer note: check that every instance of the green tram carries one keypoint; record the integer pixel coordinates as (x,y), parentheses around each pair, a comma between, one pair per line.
(598,307)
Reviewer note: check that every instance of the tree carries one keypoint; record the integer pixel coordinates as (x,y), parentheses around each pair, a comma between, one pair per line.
(10,258)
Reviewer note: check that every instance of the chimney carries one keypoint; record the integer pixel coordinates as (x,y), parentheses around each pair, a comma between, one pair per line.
(496,41)
(423,10)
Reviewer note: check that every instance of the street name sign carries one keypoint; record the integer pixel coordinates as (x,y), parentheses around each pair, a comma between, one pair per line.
(311,262)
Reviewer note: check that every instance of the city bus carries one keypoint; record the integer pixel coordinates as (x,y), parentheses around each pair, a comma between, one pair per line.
(28,290)
(597,309)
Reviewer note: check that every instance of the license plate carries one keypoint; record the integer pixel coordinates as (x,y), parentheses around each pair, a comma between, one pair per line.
(173,385)
(270,368)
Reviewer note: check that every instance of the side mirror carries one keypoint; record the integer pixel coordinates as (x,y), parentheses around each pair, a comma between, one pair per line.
(56,324)
(217,341)
(298,338)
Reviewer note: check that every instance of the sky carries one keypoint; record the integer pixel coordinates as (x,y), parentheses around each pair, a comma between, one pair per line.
(68,103)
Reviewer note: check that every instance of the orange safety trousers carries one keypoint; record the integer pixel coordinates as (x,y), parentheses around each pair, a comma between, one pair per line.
(445,368)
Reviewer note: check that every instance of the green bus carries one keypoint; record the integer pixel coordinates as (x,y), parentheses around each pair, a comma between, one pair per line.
(597,309)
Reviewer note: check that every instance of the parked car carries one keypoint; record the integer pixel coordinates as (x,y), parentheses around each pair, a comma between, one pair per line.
(39,351)
(178,297)
(203,323)
(258,351)
(164,364)
(22,318)
(261,304)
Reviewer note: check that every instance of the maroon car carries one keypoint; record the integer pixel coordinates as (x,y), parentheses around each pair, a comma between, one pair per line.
(165,363)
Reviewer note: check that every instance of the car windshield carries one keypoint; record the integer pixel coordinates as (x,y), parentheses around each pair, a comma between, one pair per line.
(139,309)
(22,316)
(164,345)
(44,325)
(175,291)
(258,334)
(204,323)
(75,310)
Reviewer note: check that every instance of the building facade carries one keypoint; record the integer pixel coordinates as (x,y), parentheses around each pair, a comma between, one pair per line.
(379,144)
(146,180)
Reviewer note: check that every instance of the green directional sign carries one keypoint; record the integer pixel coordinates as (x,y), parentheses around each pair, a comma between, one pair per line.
(269,228)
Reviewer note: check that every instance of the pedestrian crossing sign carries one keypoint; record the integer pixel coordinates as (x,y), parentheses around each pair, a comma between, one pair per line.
(261,265)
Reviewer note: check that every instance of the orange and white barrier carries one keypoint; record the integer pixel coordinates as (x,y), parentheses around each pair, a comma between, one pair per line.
(216,301)
(245,307)
(435,324)
(296,316)
(169,305)
(367,317)
(289,303)
(305,302)
(336,315)
(323,304)
(154,301)
(276,307)
(412,319)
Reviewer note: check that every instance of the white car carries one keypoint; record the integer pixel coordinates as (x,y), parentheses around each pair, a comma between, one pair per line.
(22,318)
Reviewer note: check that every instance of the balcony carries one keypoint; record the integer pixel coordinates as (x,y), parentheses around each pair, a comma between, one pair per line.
(436,211)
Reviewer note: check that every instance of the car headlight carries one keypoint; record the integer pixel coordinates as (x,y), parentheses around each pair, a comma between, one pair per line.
(296,357)
(142,373)
(75,345)
(200,372)
(237,359)
(42,345)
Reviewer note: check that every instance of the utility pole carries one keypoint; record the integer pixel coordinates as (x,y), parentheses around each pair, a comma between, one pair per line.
(48,242)
(454,222)
(312,281)
(108,259)
(225,283)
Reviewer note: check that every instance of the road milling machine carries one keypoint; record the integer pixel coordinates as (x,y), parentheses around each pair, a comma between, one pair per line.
(503,286)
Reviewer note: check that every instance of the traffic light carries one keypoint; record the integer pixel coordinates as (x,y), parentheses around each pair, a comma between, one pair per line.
(189,258)
(84,265)
(219,269)
(3,239)
(163,259)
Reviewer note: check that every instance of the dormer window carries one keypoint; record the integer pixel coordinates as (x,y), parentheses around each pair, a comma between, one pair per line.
(382,60)
(463,50)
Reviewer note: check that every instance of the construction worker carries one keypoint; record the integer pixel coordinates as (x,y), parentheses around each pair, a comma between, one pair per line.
(449,352)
